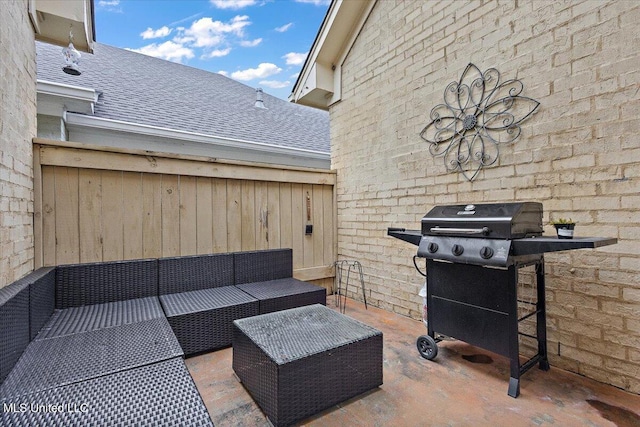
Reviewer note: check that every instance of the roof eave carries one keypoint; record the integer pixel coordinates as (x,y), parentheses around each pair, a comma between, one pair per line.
(54,20)
(319,82)
(107,131)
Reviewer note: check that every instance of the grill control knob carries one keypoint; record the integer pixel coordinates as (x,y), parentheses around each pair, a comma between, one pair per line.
(486,252)
(432,247)
(457,250)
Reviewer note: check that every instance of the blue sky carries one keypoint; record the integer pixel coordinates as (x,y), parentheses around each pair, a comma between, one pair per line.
(261,43)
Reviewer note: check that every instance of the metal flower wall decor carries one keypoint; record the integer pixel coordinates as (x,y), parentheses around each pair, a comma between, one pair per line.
(478,114)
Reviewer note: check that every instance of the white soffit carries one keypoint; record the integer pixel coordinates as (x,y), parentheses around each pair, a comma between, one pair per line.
(53,20)
(319,83)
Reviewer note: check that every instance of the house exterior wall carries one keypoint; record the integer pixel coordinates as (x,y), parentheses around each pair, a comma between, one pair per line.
(51,127)
(17,128)
(579,155)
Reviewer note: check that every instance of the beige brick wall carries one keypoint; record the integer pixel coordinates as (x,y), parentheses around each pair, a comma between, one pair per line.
(579,154)
(17,128)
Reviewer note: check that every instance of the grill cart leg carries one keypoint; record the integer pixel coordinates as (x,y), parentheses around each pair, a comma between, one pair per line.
(514,350)
(541,319)
(541,331)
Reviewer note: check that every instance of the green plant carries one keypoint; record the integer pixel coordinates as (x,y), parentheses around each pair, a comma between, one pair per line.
(560,221)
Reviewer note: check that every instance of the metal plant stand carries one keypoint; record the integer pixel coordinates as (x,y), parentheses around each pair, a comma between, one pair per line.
(340,297)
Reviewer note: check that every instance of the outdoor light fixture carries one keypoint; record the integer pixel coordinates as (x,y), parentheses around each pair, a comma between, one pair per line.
(71,58)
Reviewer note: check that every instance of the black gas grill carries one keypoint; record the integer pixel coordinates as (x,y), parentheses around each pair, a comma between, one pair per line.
(473,254)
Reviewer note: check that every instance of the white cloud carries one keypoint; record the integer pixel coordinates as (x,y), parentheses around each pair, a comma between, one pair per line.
(150,33)
(316,2)
(284,28)
(232,4)
(216,53)
(110,5)
(265,69)
(224,73)
(250,43)
(296,75)
(206,32)
(294,58)
(168,50)
(275,84)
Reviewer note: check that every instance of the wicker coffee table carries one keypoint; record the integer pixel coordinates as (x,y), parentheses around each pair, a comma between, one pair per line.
(298,362)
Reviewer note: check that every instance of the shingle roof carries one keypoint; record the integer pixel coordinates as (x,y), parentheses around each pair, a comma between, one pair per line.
(141,89)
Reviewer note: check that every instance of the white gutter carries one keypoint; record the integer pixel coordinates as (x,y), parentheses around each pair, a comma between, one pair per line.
(54,98)
(77,93)
(74,119)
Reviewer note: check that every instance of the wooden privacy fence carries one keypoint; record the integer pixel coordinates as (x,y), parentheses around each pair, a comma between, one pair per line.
(104,204)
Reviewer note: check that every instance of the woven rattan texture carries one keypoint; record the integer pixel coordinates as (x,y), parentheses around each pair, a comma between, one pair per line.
(72,358)
(203,320)
(258,266)
(184,274)
(42,299)
(14,324)
(203,300)
(282,294)
(296,369)
(91,317)
(161,394)
(299,332)
(87,284)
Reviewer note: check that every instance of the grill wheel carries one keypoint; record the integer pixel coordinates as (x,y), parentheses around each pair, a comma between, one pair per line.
(427,347)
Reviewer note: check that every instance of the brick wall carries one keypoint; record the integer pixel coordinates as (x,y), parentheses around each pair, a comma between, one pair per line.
(579,154)
(17,128)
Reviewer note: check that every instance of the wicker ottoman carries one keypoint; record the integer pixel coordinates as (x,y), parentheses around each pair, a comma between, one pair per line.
(298,362)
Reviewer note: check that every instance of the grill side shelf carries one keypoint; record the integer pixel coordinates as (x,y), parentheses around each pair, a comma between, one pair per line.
(538,245)
(411,236)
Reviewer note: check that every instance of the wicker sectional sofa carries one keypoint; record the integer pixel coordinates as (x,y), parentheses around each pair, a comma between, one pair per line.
(104,342)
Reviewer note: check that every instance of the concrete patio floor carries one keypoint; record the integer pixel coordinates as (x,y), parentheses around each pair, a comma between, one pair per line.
(463,386)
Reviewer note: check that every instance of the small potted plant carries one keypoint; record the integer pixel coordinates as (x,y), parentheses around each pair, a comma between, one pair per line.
(564,228)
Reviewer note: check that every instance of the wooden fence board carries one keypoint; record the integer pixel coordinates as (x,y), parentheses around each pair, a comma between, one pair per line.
(221,216)
(152,216)
(92,212)
(318,226)
(234,216)
(133,215)
(261,215)
(204,216)
(67,234)
(188,216)
(327,225)
(273,216)
(113,216)
(48,216)
(308,203)
(297,225)
(248,215)
(170,215)
(286,227)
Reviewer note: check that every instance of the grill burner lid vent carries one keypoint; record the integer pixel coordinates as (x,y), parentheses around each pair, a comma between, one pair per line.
(489,220)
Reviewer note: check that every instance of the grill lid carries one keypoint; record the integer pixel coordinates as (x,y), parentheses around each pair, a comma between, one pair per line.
(489,220)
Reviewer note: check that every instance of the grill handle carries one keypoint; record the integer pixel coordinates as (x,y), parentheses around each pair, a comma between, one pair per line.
(447,230)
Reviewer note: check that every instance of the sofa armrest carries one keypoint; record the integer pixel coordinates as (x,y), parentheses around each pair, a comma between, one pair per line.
(14,324)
